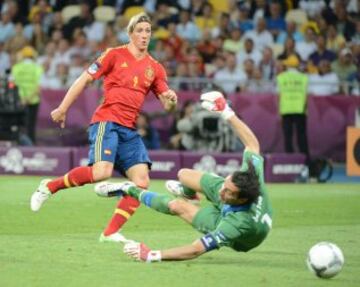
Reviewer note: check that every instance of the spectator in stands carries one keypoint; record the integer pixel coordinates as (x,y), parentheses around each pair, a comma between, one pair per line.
(197,7)
(206,21)
(62,54)
(292,86)
(85,18)
(344,67)
(169,60)
(4,61)
(355,40)
(186,28)
(289,51)
(56,36)
(80,44)
(249,68)
(56,23)
(217,64)
(259,9)
(35,32)
(47,59)
(244,22)
(26,75)
(158,52)
(321,53)
(234,44)
(163,15)
(335,41)
(180,82)
(206,47)
(312,7)
(75,68)
(223,28)
(291,31)
(326,83)
(267,64)
(44,10)
(354,81)
(308,46)
(7,28)
(58,81)
(18,41)
(249,52)
(231,78)
(110,38)
(256,84)
(275,23)
(174,40)
(120,28)
(16,15)
(148,133)
(344,25)
(260,36)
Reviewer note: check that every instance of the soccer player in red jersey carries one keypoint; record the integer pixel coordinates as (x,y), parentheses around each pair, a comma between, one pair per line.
(129,73)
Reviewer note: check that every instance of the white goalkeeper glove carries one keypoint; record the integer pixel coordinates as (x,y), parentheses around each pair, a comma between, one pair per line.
(140,252)
(215,102)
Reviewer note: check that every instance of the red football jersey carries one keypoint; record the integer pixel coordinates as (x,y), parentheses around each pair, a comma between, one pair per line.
(127,81)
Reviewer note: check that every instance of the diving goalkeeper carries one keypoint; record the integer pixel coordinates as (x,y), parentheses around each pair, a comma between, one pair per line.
(240,214)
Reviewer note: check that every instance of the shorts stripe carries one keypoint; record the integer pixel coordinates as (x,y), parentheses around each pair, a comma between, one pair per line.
(99,139)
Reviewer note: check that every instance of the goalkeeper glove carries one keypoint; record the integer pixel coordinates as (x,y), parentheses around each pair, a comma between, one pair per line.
(140,252)
(215,102)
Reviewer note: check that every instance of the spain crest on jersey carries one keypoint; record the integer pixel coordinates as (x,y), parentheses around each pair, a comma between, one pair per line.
(149,73)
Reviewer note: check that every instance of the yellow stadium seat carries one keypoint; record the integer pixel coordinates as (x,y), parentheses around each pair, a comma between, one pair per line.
(70,11)
(296,15)
(132,11)
(104,13)
(220,5)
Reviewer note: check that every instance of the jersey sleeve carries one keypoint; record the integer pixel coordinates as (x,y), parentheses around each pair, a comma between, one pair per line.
(160,82)
(225,234)
(257,161)
(103,65)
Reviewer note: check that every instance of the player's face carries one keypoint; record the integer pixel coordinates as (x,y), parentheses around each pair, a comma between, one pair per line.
(140,37)
(229,192)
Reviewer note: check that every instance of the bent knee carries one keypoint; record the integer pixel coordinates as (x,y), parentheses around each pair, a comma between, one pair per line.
(182,173)
(141,181)
(177,206)
(102,172)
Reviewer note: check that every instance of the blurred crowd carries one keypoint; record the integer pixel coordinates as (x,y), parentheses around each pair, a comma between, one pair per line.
(236,44)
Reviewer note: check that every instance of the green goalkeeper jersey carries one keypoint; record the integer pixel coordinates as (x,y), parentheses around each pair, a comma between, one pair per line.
(240,227)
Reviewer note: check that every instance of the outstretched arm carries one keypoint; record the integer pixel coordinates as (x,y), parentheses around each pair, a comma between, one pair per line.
(141,252)
(215,102)
(59,114)
(245,134)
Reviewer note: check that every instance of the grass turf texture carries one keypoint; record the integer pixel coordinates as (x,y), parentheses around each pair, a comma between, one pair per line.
(59,245)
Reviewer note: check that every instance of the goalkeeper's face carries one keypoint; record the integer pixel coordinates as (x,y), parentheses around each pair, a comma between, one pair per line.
(229,192)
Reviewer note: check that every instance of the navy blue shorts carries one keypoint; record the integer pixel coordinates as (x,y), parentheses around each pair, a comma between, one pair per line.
(117,144)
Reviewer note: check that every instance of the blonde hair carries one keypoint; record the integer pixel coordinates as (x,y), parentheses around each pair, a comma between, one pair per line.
(136,19)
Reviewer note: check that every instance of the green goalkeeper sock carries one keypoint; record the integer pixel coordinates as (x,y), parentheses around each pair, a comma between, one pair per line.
(158,202)
(188,192)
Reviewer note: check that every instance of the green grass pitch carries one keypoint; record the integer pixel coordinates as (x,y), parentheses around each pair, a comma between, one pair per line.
(58,246)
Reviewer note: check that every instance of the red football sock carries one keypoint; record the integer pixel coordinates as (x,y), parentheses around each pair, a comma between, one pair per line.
(126,207)
(75,177)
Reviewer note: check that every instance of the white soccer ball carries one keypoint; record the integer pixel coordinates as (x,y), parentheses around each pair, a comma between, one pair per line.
(325,259)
